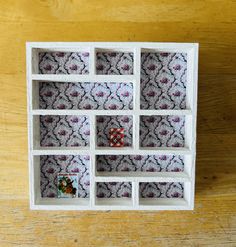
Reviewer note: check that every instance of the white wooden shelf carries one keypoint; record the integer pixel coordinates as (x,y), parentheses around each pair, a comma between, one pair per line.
(143,178)
(78,78)
(112,112)
(77,91)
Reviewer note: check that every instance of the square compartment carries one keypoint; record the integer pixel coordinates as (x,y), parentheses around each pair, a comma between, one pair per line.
(162,131)
(163,80)
(105,123)
(112,164)
(114,62)
(61,62)
(51,165)
(83,95)
(114,193)
(61,131)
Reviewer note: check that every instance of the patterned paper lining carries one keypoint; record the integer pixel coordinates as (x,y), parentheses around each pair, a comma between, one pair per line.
(114,63)
(86,95)
(66,131)
(139,163)
(63,63)
(161,190)
(105,123)
(51,165)
(114,190)
(163,80)
(162,131)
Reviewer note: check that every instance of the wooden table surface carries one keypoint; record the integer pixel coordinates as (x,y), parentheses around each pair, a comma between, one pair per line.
(213,25)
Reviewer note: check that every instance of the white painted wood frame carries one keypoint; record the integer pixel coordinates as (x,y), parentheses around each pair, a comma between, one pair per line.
(135,202)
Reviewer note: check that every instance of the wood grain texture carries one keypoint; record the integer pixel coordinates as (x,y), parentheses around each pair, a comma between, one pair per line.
(213,25)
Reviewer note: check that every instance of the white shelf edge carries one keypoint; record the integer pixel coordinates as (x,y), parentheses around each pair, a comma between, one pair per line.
(60,152)
(110,207)
(165,112)
(92,61)
(136,97)
(160,178)
(110,112)
(115,204)
(83,112)
(114,151)
(92,167)
(164,203)
(139,174)
(83,78)
(110,45)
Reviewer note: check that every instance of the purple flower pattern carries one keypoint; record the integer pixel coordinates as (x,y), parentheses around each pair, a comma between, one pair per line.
(163,80)
(114,63)
(140,163)
(114,190)
(163,86)
(66,131)
(105,123)
(63,63)
(85,95)
(161,190)
(162,131)
(51,165)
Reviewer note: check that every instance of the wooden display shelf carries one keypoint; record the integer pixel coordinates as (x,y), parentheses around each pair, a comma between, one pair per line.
(78,91)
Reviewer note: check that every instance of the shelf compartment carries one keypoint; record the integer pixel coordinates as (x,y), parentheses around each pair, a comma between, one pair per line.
(172,195)
(105,123)
(62,62)
(142,176)
(83,95)
(161,190)
(162,131)
(163,80)
(113,193)
(52,165)
(139,164)
(114,62)
(52,131)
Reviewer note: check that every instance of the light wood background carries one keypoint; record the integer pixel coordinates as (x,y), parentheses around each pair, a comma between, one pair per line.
(211,23)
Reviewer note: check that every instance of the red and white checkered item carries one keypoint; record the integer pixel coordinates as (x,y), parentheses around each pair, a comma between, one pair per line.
(116,137)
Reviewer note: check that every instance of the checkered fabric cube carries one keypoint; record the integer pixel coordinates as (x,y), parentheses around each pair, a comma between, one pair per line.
(117,137)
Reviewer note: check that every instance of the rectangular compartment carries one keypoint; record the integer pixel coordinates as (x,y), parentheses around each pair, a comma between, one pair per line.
(165,131)
(105,123)
(163,80)
(114,193)
(52,131)
(61,62)
(112,164)
(83,95)
(114,62)
(45,182)
(173,195)
(161,190)
(52,165)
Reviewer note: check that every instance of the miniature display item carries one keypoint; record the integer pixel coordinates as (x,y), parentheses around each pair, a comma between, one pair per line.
(117,137)
(67,185)
(112,126)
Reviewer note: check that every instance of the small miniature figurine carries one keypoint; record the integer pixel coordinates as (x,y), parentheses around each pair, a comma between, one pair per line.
(116,137)
(67,185)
